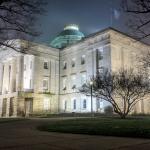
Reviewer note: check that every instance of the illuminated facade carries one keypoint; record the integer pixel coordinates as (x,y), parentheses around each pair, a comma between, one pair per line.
(46,79)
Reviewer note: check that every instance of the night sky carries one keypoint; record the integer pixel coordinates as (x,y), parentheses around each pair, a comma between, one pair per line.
(90,15)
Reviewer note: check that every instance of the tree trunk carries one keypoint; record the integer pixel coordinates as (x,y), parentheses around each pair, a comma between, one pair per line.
(123,116)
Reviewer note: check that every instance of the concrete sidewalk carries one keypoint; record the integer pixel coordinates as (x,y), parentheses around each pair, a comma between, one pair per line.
(22,135)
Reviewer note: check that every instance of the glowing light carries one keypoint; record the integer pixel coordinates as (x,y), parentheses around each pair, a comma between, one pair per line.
(71,27)
(91,82)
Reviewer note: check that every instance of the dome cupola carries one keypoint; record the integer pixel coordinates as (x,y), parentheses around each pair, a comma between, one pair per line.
(68,36)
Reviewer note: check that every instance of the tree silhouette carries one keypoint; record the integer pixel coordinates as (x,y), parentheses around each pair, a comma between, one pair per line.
(123,90)
(138,12)
(17,20)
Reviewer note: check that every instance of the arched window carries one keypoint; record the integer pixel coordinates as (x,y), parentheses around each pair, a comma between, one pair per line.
(98,103)
(83,60)
(65,105)
(65,65)
(84,104)
(74,104)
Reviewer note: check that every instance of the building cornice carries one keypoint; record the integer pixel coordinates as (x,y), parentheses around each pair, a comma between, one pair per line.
(95,37)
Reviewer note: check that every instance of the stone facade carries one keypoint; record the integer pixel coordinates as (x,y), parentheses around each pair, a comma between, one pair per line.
(46,80)
(29,82)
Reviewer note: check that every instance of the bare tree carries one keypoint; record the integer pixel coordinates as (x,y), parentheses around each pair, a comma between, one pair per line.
(138,12)
(17,20)
(144,62)
(138,21)
(122,90)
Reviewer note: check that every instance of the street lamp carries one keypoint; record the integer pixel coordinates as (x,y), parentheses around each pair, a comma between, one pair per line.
(91,84)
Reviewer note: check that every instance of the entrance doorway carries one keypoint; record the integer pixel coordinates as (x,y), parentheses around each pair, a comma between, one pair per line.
(4,107)
(28,106)
(11,108)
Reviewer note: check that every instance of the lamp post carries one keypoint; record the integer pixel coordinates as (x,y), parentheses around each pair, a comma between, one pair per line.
(91,84)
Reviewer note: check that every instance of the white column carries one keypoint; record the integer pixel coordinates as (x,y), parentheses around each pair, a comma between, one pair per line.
(29,72)
(19,73)
(53,77)
(5,79)
(12,77)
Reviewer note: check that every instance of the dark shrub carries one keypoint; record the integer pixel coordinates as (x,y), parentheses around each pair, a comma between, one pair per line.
(108,110)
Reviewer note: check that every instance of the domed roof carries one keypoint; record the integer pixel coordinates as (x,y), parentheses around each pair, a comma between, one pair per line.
(68,36)
(71,32)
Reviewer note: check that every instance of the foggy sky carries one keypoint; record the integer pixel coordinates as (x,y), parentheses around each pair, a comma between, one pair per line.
(90,15)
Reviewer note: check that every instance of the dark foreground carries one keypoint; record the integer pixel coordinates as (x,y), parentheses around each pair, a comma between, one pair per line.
(23,135)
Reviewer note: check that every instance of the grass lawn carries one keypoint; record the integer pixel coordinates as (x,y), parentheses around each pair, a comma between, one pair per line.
(5,120)
(132,127)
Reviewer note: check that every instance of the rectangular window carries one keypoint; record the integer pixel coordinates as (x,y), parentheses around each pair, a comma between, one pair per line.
(100,54)
(65,65)
(45,65)
(45,84)
(73,63)
(83,60)
(64,84)
(83,79)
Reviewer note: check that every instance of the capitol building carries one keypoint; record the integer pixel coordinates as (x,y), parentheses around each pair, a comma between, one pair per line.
(46,79)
